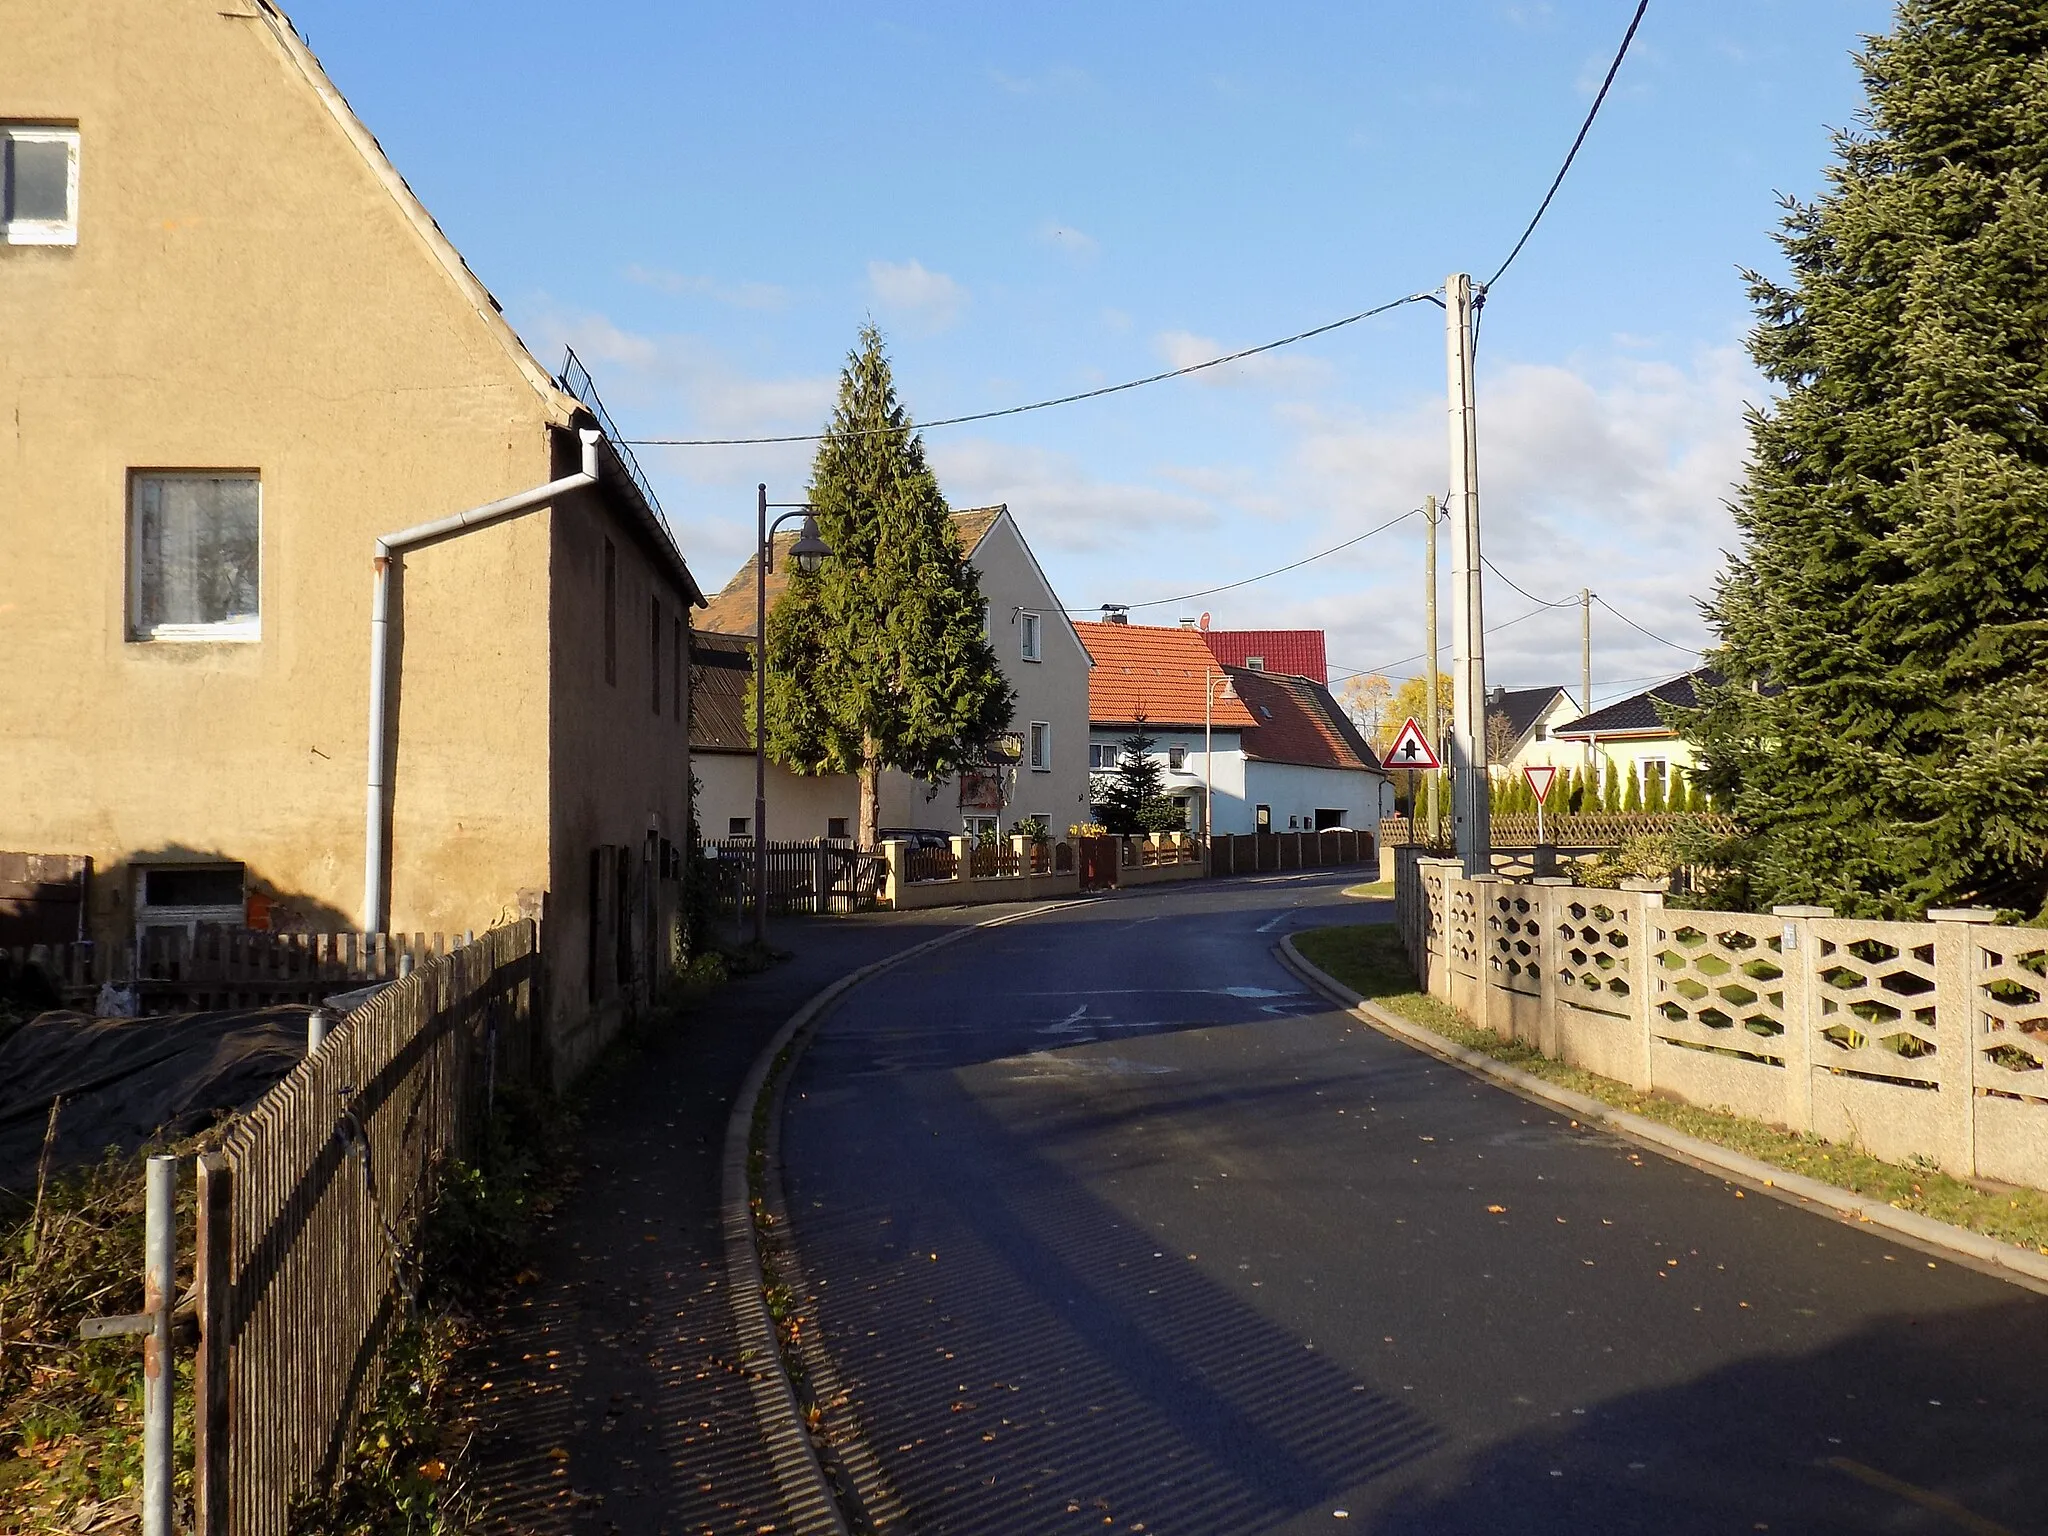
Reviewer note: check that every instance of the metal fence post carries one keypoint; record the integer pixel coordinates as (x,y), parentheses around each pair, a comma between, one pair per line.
(210,1371)
(318,1023)
(159,1364)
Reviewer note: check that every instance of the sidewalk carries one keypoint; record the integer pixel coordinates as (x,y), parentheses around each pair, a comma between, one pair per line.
(609,1396)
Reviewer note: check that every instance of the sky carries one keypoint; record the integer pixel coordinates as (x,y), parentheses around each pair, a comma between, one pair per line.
(708,202)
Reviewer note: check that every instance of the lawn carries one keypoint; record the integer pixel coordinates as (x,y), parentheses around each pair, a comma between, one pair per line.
(1369,960)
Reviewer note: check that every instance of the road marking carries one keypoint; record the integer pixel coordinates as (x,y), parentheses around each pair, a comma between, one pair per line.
(1968,1520)
(1274,922)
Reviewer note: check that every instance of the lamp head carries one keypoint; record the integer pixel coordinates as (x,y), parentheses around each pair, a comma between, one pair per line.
(809,552)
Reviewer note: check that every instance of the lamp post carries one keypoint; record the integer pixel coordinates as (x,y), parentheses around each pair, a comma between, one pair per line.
(809,552)
(1209,755)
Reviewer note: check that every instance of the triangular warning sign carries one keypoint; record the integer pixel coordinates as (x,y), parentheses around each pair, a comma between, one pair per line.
(1540,777)
(1411,749)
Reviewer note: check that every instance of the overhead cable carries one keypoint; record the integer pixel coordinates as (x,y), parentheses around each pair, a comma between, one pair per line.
(1036,405)
(1584,128)
(1188,597)
(1690,650)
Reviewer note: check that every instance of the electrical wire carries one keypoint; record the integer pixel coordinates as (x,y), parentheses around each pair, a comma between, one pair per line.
(1566,602)
(1036,405)
(1690,650)
(1491,629)
(1188,597)
(1584,128)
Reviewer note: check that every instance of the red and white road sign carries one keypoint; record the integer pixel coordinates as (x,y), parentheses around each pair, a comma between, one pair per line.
(1540,779)
(1411,749)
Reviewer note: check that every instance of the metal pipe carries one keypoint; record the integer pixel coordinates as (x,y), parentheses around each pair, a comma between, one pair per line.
(159,1364)
(318,1023)
(387,554)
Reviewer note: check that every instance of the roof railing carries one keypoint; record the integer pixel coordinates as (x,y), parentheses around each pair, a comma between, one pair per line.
(576,379)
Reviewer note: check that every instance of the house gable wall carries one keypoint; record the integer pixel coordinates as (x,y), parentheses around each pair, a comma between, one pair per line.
(248,293)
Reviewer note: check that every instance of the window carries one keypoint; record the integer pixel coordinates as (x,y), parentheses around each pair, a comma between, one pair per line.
(1041,747)
(1654,770)
(186,897)
(978,827)
(1325,819)
(1255,663)
(1027,636)
(1101,755)
(986,634)
(738,826)
(194,556)
(1177,759)
(654,653)
(611,613)
(676,676)
(835,826)
(1264,816)
(38,185)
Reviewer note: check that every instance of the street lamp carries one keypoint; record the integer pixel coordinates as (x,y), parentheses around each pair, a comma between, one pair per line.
(809,552)
(1209,758)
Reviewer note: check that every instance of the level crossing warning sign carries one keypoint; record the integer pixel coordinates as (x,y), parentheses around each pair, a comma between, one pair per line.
(1411,749)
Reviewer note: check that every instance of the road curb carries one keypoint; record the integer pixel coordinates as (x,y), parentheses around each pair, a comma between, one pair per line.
(2020,1266)
(807,1489)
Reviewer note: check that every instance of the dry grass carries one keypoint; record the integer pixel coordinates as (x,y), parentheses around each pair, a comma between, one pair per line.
(1369,960)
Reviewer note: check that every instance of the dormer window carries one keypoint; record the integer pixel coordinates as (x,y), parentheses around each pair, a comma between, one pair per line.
(1255,663)
(38,184)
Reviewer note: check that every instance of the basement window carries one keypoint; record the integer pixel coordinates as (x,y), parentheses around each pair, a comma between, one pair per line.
(38,184)
(195,556)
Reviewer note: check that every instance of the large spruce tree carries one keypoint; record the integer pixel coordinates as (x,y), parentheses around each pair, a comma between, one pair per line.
(879,659)
(1883,730)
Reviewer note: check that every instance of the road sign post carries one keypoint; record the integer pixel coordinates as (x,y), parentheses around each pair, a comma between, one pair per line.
(1540,776)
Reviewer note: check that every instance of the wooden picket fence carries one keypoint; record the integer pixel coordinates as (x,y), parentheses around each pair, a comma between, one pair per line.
(178,972)
(1250,852)
(309,1220)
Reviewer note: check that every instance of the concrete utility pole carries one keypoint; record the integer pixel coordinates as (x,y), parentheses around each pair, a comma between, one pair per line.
(1585,651)
(1471,811)
(1435,722)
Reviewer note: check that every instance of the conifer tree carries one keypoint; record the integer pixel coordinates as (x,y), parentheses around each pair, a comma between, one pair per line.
(1882,731)
(1632,793)
(878,660)
(1653,792)
(1610,792)
(1130,799)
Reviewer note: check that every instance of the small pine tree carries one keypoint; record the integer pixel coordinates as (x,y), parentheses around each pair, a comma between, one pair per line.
(1632,793)
(1610,791)
(1653,791)
(1679,801)
(1128,799)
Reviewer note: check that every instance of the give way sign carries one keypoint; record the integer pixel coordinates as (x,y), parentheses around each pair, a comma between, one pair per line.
(1540,778)
(1411,749)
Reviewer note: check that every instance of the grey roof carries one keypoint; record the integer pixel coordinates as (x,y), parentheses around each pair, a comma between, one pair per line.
(1521,707)
(1637,714)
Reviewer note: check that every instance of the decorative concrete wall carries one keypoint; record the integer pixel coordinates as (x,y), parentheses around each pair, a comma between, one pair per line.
(1919,1042)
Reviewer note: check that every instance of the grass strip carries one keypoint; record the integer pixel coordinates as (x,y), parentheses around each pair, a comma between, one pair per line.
(1369,959)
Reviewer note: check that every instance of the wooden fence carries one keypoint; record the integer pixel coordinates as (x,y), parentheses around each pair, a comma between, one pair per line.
(1597,829)
(179,972)
(309,1221)
(1913,1041)
(828,875)
(1246,853)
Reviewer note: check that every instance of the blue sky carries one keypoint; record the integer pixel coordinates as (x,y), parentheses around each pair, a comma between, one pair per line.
(708,201)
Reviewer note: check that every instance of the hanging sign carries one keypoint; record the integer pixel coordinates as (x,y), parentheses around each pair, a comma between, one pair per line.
(1411,750)
(1540,779)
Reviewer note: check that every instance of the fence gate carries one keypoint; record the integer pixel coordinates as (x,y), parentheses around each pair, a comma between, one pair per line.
(1099,859)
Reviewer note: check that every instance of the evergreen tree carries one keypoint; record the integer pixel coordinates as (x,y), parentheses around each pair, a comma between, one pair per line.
(1653,792)
(1632,793)
(1610,792)
(1882,731)
(878,660)
(1129,800)
(1681,792)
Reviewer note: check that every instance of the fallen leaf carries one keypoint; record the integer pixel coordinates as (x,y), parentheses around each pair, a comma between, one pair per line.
(1497,1210)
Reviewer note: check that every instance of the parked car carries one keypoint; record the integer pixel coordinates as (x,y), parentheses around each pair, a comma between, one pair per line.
(918,837)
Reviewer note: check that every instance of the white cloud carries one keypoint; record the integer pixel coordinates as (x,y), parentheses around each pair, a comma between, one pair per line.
(1057,78)
(1059,505)
(742,295)
(1069,241)
(931,300)
(1279,370)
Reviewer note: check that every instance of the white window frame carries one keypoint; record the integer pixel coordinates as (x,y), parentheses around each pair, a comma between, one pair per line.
(1663,767)
(1177,759)
(43,231)
(232,631)
(1041,746)
(1029,634)
(1101,756)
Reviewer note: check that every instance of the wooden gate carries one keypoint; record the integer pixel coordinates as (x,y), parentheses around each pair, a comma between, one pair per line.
(1098,863)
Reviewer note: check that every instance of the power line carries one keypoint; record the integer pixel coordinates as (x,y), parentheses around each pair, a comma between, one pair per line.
(1187,597)
(1568,602)
(1036,405)
(1690,650)
(1490,629)
(1584,128)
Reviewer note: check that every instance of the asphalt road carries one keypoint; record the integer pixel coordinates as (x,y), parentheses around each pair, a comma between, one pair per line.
(1115,1227)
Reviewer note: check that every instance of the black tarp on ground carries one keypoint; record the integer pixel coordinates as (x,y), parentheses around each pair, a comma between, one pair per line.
(124,1080)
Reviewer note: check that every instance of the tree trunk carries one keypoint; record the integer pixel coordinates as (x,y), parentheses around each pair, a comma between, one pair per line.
(870,800)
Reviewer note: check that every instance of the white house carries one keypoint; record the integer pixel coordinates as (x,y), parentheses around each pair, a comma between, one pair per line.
(1276,752)
(1040,653)
(1521,729)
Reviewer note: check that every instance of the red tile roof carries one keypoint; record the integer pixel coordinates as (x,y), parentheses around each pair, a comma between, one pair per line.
(1157,673)
(1296,652)
(1298,722)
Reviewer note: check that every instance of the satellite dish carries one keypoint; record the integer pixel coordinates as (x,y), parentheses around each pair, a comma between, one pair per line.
(1203,622)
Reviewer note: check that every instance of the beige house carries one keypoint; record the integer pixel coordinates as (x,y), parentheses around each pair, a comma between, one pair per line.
(1041,655)
(1521,730)
(1631,735)
(238,352)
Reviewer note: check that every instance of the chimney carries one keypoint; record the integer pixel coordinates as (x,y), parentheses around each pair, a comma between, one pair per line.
(1116,613)
(1496,698)
(1187,621)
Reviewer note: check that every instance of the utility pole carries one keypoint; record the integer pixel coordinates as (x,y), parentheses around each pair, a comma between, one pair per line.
(1430,705)
(1585,651)
(1471,812)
